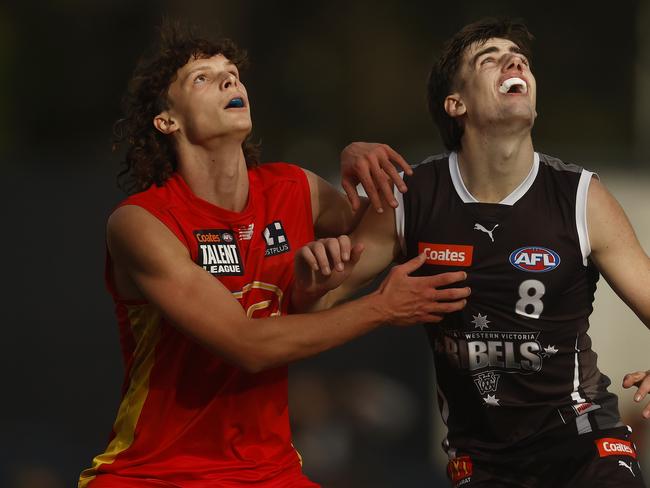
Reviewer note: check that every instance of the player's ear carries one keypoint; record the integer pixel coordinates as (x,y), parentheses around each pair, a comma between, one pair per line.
(165,123)
(454,105)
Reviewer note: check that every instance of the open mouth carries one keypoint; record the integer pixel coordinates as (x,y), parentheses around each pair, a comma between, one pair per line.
(236,103)
(514,85)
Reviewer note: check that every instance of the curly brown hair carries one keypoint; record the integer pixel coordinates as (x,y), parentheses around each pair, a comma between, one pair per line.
(444,73)
(150,155)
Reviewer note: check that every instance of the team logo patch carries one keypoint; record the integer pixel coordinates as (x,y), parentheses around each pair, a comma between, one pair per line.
(218,253)
(486,382)
(276,239)
(446,254)
(260,299)
(535,259)
(459,470)
(609,446)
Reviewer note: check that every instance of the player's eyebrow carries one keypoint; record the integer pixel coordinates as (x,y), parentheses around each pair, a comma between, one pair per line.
(207,67)
(493,49)
(194,70)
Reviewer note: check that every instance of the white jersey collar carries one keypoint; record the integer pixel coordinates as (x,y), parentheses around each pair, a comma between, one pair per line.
(511,199)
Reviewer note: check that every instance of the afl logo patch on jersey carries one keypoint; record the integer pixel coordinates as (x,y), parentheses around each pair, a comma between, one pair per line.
(218,253)
(535,259)
(446,254)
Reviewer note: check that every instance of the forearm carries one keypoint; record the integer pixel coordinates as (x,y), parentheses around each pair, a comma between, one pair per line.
(340,219)
(269,342)
(303,302)
(354,217)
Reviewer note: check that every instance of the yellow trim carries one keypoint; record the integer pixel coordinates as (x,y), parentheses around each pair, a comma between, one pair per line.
(257,306)
(145,324)
(298,453)
(260,305)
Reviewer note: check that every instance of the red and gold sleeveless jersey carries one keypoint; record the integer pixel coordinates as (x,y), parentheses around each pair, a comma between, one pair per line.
(188,418)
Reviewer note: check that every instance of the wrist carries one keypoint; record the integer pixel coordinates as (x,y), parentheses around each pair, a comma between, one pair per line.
(304,299)
(375,308)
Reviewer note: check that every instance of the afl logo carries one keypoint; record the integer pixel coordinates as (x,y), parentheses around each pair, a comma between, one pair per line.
(227,237)
(535,259)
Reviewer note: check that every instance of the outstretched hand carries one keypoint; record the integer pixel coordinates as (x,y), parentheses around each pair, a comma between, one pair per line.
(374,166)
(640,379)
(418,299)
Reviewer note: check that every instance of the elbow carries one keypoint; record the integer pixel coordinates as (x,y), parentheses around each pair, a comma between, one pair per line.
(256,365)
(251,347)
(257,361)
(252,365)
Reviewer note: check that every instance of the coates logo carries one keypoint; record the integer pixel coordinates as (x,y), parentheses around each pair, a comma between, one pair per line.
(615,447)
(217,252)
(459,469)
(535,259)
(446,254)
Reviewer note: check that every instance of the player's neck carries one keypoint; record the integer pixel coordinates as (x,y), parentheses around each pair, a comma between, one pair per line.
(217,174)
(492,168)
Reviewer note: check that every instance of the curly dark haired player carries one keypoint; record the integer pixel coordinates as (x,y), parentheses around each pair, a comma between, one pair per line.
(200,267)
(518,386)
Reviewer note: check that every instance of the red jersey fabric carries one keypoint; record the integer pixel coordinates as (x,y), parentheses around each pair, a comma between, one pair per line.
(187,418)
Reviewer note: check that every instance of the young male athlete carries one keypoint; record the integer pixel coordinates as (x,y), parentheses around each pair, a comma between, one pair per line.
(200,266)
(517,381)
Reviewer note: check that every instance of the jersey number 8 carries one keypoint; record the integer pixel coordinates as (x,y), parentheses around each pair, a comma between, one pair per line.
(530,301)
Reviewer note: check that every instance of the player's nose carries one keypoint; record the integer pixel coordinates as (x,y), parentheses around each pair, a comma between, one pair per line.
(514,62)
(229,81)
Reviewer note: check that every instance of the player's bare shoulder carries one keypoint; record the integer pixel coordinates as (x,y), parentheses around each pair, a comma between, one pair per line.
(138,243)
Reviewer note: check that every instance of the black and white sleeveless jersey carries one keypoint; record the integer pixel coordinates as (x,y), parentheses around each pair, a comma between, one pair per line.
(517,361)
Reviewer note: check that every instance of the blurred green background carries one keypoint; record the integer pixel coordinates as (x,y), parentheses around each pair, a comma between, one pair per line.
(323,74)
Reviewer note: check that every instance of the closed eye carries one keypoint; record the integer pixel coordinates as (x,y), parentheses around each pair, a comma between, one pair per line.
(489,59)
(200,78)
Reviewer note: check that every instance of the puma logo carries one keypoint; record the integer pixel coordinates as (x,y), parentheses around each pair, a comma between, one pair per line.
(483,229)
(628,466)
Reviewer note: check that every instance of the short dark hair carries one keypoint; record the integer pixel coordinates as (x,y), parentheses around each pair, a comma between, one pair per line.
(150,155)
(444,73)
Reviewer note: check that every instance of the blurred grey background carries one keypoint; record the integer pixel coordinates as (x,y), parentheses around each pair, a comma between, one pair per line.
(324,73)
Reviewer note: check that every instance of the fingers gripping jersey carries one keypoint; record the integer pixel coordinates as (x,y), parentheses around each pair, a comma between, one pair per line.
(517,360)
(188,418)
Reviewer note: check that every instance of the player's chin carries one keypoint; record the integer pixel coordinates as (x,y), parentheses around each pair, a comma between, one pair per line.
(523,115)
(244,124)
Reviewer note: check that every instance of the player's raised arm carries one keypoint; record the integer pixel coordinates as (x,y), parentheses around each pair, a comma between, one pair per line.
(147,254)
(329,271)
(617,253)
(375,167)
(332,213)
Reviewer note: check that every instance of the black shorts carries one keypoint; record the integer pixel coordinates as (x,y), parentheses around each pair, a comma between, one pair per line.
(605,458)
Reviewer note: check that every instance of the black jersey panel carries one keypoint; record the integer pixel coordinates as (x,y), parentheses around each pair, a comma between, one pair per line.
(519,353)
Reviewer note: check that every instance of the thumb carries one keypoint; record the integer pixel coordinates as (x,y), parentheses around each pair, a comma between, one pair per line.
(356,252)
(413,264)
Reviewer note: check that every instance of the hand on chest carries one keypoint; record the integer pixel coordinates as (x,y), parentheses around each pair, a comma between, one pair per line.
(515,261)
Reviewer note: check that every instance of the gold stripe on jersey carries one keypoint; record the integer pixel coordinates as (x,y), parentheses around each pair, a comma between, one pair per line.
(145,321)
(260,285)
